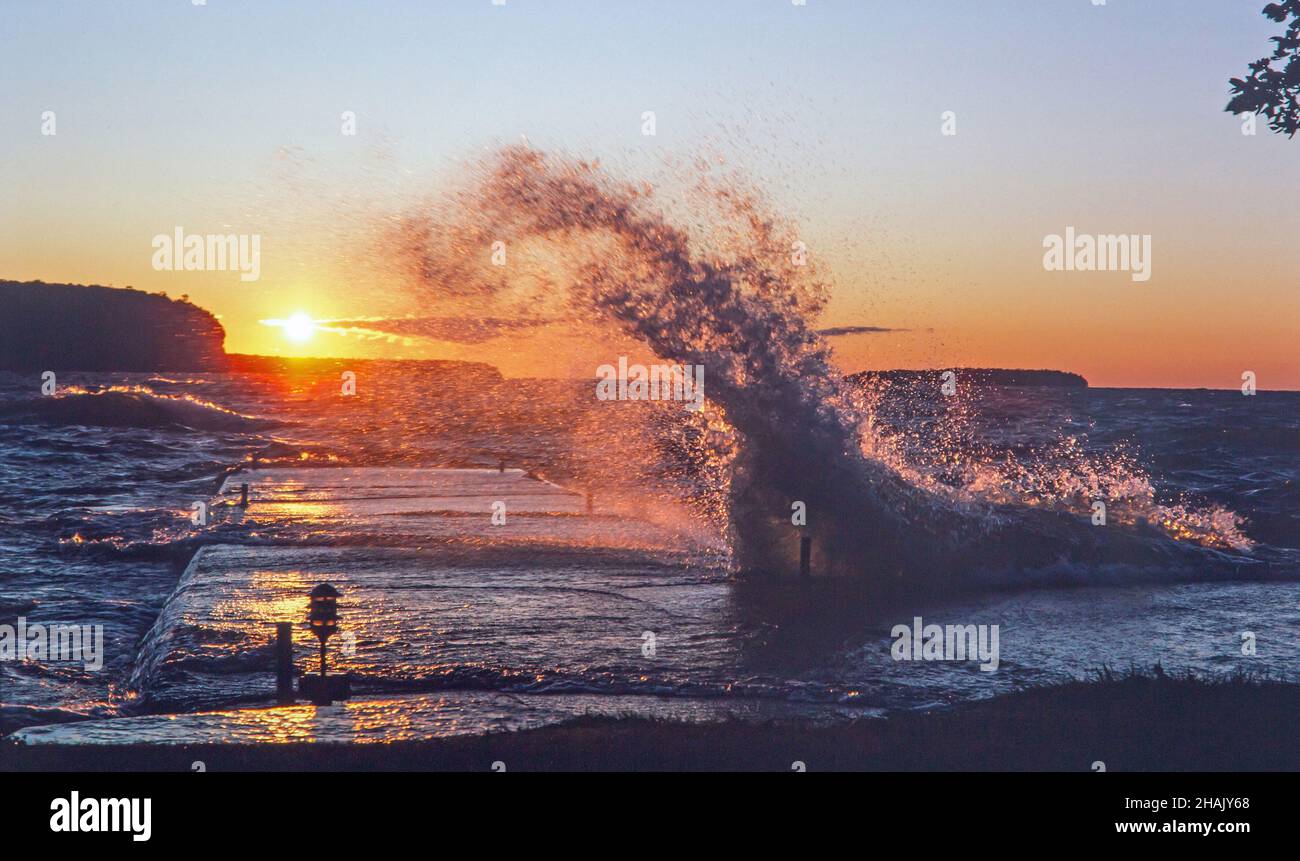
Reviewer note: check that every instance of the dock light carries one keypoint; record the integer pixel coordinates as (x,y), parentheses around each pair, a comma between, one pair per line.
(323,616)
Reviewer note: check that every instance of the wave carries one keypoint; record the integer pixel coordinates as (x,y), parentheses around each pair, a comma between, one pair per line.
(780,425)
(130,406)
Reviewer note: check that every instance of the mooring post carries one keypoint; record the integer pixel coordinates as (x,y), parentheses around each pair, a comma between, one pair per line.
(805,555)
(284,661)
(243,495)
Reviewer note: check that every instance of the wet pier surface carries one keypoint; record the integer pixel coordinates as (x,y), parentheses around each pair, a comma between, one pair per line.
(472,599)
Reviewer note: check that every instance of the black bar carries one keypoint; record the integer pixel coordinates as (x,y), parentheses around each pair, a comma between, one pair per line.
(989,810)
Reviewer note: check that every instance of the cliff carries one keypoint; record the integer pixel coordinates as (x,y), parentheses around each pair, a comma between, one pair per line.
(440,369)
(979,377)
(74,327)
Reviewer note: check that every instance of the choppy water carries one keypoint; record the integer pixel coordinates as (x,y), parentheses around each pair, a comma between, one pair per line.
(95,528)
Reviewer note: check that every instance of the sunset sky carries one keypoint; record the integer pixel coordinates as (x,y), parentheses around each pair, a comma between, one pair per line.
(225,118)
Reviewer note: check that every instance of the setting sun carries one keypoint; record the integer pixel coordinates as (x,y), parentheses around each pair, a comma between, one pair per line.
(299,327)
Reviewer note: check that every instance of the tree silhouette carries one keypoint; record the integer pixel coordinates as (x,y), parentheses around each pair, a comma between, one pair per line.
(1270,92)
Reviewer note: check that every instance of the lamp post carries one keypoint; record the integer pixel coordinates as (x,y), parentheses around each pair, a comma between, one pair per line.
(323,616)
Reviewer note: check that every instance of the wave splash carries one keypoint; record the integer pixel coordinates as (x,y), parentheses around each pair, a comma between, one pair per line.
(780,424)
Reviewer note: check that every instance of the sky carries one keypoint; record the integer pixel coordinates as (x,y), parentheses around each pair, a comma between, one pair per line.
(226,117)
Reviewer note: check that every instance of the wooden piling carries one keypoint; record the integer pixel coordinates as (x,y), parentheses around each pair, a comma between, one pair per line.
(284,662)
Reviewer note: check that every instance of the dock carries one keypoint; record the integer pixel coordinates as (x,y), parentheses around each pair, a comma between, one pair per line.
(446,610)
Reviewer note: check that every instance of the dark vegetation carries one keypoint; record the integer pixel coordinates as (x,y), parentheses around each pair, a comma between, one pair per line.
(74,327)
(1271,91)
(1129,722)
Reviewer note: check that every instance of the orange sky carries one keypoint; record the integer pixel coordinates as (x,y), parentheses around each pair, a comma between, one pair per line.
(1183,328)
(936,235)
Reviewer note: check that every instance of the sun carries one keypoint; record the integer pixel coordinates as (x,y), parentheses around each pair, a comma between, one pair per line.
(299,327)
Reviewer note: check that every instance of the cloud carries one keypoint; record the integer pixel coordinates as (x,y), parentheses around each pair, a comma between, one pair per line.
(460,330)
(836,331)
(476,330)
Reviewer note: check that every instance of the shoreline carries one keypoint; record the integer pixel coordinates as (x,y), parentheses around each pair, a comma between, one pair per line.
(1130,723)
